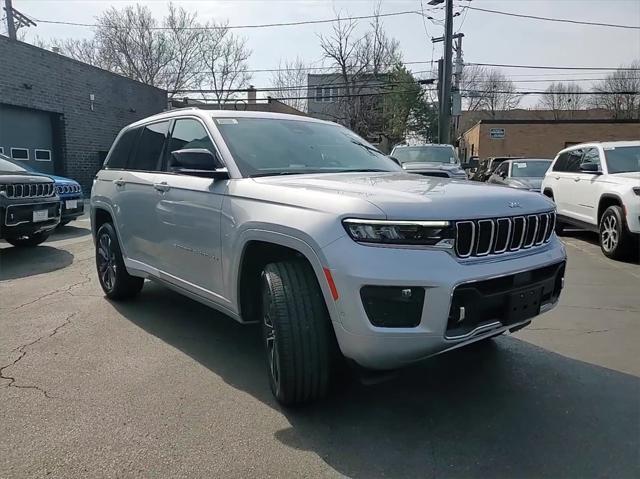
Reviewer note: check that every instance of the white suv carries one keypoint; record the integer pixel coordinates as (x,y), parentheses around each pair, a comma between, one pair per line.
(597,186)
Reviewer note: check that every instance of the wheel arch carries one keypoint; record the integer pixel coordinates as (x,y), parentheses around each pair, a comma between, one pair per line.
(260,248)
(607,200)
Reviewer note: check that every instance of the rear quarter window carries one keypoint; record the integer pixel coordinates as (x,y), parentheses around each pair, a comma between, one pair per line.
(121,149)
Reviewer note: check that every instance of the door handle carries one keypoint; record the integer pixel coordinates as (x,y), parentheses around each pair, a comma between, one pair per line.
(119,182)
(576,179)
(162,187)
(557,177)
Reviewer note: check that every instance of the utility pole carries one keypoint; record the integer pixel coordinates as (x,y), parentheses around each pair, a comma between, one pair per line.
(11,27)
(444,87)
(16,20)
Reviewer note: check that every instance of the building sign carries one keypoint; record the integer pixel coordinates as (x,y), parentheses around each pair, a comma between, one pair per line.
(496,133)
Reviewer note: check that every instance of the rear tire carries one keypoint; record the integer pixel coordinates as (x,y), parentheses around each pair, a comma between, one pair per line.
(29,241)
(114,279)
(299,341)
(615,240)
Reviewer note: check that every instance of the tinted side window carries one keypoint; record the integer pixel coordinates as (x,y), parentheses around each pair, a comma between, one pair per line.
(561,162)
(189,133)
(573,161)
(591,155)
(150,147)
(120,151)
(503,168)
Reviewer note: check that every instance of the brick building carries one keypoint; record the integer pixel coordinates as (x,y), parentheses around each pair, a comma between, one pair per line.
(540,138)
(60,115)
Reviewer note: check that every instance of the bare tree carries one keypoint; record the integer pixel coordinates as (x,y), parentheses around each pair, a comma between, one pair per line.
(225,57)
(619,93)
(170,54)
(291,81)
(562,99)
(363,64)
(488,89)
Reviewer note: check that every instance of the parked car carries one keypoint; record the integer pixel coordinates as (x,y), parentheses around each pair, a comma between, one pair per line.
(29,205)
(69,192)
(304,227)
(429,160)
(596,186)
(489,165)
(526,174)
(471,165)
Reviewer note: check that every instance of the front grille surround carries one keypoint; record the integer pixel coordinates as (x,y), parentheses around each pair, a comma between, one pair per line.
(27,190)
(64,189)
(512,233)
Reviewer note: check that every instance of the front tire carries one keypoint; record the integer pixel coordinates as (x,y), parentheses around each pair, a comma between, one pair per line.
(114,279)
(300,345)
(615,240)
(29,241)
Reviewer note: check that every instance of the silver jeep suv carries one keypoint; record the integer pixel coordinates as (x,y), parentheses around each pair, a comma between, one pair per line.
(303,226)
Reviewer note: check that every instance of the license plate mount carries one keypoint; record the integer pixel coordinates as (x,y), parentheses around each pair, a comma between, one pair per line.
(71,204)
(524,304)
(40,215)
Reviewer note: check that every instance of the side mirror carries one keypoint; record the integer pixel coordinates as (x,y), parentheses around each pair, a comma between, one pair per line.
(591,168)
(197,162)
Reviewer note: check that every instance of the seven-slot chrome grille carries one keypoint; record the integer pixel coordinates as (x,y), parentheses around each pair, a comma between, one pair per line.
(63,189)
(28,190)
(499,235)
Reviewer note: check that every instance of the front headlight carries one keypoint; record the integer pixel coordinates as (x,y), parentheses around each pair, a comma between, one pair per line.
(420,233)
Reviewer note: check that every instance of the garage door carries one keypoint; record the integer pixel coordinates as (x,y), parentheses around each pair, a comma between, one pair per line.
(27,136)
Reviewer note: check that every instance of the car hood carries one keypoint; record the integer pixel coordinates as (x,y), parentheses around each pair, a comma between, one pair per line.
(13,177)
(59,180)
(631,176)
(529,183)
(404,196)
(431,166)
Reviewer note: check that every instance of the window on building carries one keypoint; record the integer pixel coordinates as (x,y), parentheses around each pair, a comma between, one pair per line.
(20,153)
(43,155)
(149,149)
(326,94)
(122,148)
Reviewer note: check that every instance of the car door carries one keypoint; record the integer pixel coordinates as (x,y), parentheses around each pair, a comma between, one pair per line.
(564,173)
(189,210)
(586,186)
(136,199)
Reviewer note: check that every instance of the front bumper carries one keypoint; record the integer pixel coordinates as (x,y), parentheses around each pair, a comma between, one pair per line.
(354,266)
(70,213)
(16,219)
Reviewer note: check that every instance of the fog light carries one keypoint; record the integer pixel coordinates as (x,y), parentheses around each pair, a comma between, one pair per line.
(393,307)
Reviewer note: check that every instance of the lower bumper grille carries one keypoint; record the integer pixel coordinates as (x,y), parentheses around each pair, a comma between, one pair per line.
(480,303)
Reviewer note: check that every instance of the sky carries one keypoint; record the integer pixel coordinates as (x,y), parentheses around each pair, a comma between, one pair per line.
(489,38)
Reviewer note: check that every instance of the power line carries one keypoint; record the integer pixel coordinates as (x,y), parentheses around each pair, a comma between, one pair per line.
(236,27)
(539,67)
(548,19)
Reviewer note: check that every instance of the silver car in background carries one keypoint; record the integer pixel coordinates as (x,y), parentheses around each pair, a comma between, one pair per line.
(524,173)
(302,226)
(429,159)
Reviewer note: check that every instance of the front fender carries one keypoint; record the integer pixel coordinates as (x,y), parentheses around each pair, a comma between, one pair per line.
(293,240)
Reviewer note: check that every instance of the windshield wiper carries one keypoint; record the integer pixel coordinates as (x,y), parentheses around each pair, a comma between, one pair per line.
(364,170)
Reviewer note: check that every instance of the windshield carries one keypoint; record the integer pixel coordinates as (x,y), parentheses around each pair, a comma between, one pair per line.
(271,146)
(8,165)
(623,159)
(530,169)
(426,154)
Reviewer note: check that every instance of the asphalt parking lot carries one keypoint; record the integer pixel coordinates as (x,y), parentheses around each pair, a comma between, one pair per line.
(164,387)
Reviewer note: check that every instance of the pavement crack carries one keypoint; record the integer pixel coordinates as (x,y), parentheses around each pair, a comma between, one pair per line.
(65,290)
(22,352)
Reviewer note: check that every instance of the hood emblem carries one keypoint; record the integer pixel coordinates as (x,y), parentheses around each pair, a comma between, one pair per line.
(514,204)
